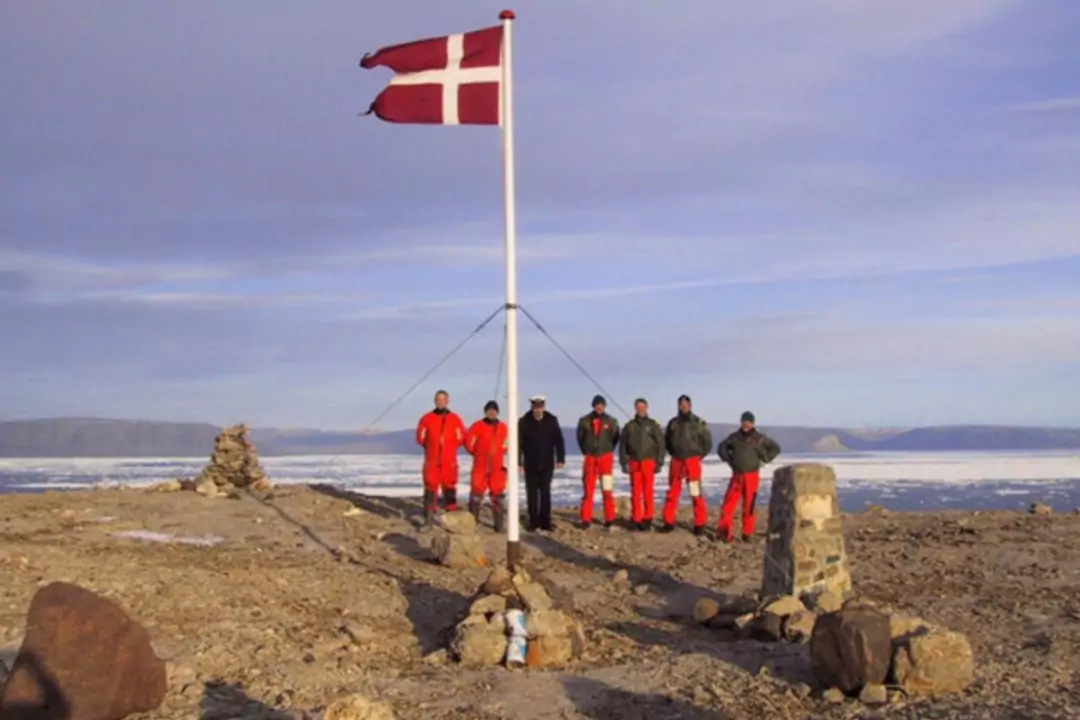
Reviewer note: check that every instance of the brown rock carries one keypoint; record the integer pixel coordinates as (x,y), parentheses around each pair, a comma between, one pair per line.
(358,707)
(799,626)
(479,642)
(768,628)
(901,626)
(784,606)
(84,658)
(458,522)
(1040,509)
(459,552)
(499,582)
(532,594)
(168,486)
(549,623)
(874,694)
(550,651)
(851,648)
(705,609)
(825,602)
(934,662)
(488,605)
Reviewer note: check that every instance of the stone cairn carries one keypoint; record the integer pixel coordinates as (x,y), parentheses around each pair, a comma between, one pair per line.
(804,550)
(857,648)
(234,464)
(513,619)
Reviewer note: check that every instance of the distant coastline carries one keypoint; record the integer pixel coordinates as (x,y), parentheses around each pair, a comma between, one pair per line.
(100,437)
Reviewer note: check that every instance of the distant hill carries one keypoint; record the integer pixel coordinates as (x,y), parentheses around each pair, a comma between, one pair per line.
(95,437)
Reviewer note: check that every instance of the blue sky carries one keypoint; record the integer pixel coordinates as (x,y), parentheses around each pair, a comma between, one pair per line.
(833,213)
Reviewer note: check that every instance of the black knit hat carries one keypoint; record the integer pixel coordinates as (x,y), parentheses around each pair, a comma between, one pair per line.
(684,397)
(491,405)
(747,417)
(599,400)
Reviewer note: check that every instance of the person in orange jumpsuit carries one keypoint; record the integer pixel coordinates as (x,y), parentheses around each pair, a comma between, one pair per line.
(441,433)
(486,442)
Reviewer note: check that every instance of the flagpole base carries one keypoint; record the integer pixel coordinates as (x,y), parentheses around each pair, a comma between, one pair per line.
(513,555)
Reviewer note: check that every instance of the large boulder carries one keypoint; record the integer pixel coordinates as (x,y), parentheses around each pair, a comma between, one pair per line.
(479,641)
(851,648)
(459,552)
(932,662)
(83,658)
(358,707)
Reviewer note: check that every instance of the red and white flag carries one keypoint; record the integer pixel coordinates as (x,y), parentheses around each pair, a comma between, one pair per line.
(452,80)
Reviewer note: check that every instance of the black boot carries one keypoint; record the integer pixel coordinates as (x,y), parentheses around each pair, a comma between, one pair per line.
(667,528)
(699,530)
(498,510)
(474,507)
(449,497)
(430,506)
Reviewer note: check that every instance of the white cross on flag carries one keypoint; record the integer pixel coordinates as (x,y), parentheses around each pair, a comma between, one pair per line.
(452,80)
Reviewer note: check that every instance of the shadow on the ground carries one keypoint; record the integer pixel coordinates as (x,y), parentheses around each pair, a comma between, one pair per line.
(783,660)
(433,612)
(408,546)
(789,662)
(390,508)
(598,700)
(226,701)
(52,702)
(559,550)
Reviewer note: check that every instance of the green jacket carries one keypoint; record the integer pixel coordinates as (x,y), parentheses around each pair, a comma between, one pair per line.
(642,439)
(593,443)
(687,436)
(747,452)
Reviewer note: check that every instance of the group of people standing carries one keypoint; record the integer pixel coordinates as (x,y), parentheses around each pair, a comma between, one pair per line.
(643,447)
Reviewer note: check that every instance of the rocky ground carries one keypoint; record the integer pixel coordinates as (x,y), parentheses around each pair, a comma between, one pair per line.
(313,595)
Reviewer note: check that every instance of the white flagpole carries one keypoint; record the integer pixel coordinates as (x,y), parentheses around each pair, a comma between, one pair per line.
(513,529)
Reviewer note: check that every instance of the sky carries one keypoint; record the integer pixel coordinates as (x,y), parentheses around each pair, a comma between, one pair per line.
(834,213)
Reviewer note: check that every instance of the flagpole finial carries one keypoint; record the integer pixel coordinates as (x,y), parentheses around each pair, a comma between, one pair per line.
(507,15)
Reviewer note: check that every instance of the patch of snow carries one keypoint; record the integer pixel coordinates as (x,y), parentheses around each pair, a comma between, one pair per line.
(149,536)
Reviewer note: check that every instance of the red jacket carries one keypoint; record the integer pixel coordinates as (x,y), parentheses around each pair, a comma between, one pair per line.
(440,434)
(486,442)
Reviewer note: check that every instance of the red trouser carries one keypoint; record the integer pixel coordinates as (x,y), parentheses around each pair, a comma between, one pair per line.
(690,469)
(745,486)
(642,483)
(598,468)
(487,480)
(441,476)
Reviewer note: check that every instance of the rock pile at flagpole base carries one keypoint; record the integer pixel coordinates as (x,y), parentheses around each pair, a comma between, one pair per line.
(514,620)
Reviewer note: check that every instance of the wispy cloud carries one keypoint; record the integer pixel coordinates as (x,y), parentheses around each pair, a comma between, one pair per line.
(1050,105)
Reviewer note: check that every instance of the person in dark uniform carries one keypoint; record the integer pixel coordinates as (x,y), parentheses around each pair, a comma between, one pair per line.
(543,450)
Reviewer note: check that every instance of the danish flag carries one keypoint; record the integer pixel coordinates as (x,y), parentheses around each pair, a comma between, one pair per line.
(452,80)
